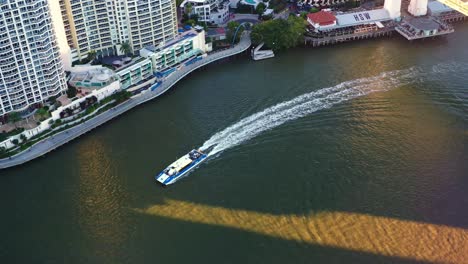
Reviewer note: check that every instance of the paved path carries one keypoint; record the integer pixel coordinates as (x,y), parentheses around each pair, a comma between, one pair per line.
(241,18)
(63,137)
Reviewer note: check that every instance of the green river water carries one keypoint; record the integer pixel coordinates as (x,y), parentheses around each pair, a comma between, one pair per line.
(354,153)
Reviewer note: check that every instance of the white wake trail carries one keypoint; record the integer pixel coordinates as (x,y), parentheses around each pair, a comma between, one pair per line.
(303,105)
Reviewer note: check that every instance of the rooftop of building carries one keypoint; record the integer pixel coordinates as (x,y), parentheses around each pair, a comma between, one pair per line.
(192,1)
(437,7)
(362,17)
(135,62)
(197,1)
(322,18)
(216,31)
(423,23)
(95,76)
(183,36)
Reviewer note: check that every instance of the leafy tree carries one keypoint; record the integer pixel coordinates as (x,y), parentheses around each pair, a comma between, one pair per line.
(42,113)
(23,138)
(280,34)
(232,26)
(195,17)
(125,48)
(352,4)
(190,22)
(244,9)
(304,14)
(185,17)
(15,141)
(260,8)
(58,122)
(71,92)
(52,99)
(188,9)
(313,10)
(14,117)
(278,5)
(231,30)
(91,55)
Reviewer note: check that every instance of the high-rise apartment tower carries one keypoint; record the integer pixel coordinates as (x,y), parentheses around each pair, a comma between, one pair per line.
(102,25)
(31,69)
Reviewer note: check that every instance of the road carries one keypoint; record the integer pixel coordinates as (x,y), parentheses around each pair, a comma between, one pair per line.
(63,137)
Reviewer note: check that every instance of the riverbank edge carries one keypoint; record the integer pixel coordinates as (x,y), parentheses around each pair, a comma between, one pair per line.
(71,133)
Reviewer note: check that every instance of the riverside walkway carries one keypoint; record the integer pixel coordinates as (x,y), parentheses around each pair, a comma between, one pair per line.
(44,146)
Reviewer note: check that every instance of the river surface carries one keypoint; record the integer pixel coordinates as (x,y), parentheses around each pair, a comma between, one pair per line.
(355,153)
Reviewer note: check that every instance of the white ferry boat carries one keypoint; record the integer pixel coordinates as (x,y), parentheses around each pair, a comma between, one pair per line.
(182,166)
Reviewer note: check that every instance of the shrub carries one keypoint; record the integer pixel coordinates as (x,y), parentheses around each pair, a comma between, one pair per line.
(260,8)
(90,109)
(278,5)
(314,10)
(71,92)
(244,9)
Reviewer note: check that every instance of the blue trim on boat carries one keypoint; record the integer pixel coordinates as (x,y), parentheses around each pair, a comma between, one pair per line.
(173,178)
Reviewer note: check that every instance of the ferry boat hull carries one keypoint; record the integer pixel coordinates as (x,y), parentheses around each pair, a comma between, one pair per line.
(181,167)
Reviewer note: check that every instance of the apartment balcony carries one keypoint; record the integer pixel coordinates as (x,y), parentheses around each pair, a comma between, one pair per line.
(10,74)
(14,84)
(7,63)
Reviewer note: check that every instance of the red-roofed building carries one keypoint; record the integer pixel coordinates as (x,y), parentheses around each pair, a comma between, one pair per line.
(321,20)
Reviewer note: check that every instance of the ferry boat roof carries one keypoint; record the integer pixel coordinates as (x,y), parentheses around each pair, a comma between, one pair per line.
(181,163)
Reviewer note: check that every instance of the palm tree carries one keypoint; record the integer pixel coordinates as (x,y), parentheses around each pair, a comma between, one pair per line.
(188,9)
(125,48)
(91,55)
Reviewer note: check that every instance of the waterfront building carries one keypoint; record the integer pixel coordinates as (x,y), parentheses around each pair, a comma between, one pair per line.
(210,11)
(148,22)
(89,26)
(216,33)
(326,21)
(31,68)
(102,26)
(321,20)
(135,74)
(89,78)
(187,45)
